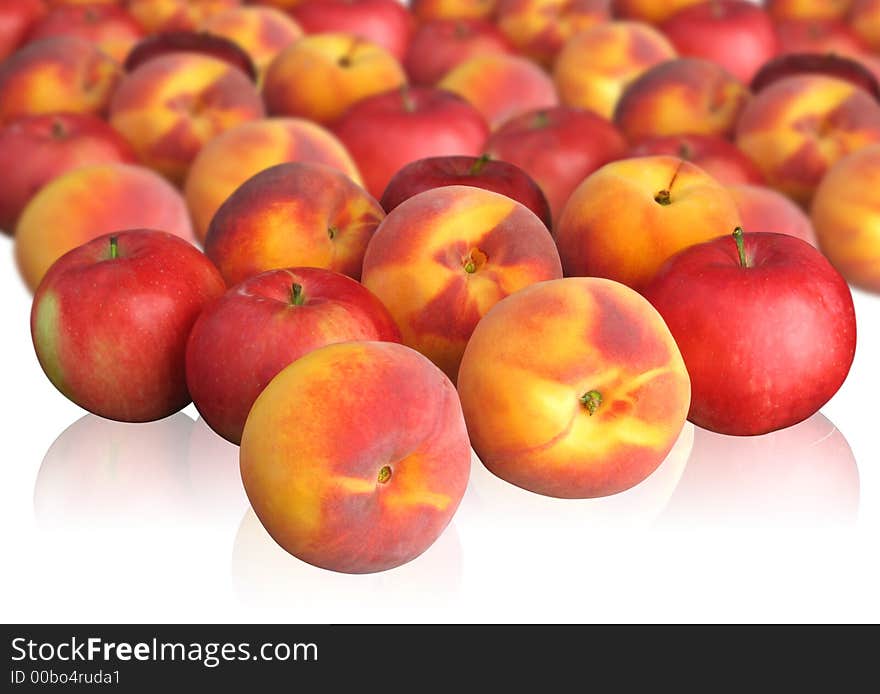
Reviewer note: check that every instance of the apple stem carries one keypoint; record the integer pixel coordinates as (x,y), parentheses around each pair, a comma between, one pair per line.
(409,104)
(740,246)
(591,400)
(296,295)
(114,248)
(541,120)
(477,166)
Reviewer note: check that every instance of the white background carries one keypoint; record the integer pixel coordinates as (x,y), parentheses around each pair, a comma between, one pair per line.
(108,522)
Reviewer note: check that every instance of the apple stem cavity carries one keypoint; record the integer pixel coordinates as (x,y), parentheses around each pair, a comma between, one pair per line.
(478,165)
(384,474)
(741,247)
(297,298)
(114,248)
(409,104)
(591,400)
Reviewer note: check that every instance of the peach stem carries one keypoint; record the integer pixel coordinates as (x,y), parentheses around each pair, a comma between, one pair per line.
(591,400)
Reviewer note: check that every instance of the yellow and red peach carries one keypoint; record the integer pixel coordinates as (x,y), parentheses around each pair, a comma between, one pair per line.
(846,217)
(233,157)
(651,11)
(626,219)
(169,107)
(320,76)
(88,202)
(595,66)
(819,36)
(864,18)
(176,15)
(427,10)
(501,86)
(591,412)
(368,474)
(539,28)
(291,215)
(687,95)
(796,128)
(59,74)
(443,258)
(263,32)
(763,209)
(808,9)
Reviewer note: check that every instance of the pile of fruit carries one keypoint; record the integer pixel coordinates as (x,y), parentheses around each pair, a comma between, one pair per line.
(364,237)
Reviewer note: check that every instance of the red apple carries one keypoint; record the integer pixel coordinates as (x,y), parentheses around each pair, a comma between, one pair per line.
(558,147)
(480,172)
(716,155)
(212,45)
(241,341)
(440,45)
(386,22)
(766,327)
(16,19)
(828,64)
(736,34)
(36,149)
(384,132)
(111,318)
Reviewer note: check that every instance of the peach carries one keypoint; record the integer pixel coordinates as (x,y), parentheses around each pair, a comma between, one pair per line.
(626,219)
(591,412)
(263,32)
(107,26)
(367,474)
(58,74)
(539,28)
(233,157)
(846,217)
(426,10)
(864,18)
(91,201)
(290,215)
(687,95)
(501,86)
(764,209)
(808,9)
(320,76)
(176,15)
(443,258)
(595,66)
(796,128)
(651,11)
(818,36)
(169,107)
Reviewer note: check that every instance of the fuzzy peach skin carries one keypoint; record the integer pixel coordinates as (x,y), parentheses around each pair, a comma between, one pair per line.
(170,106)
(808,9)
(798,127)
(628,217)
(87,202)
(263,32)
(108,26)
(501,86)
(846,217)
(176,15)
(320,76)
(356,456)
(293,214)
(539,28)
(651,11)
(58,74)
(591,412)
(686,95)
(763,209)
(595,66)
(426,10)
(443,258)
(233,157)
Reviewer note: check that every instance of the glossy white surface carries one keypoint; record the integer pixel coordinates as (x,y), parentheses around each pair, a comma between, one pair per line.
(106,522)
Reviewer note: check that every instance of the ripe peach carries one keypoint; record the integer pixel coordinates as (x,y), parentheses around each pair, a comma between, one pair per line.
(367,474)
(109,27)
(808,9)
(864,18)
(687,95)
(539,28)
(796,128)
(263,32)
(233,157)
(169,107)
(321,75)
(651,11)
(591,412)
(443,258)
(426,10)
(91,201)
(846,217)
(501,86)
(764,209)
(176,15)
(595,66)
(290,215)
(58,74)
(628,217)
